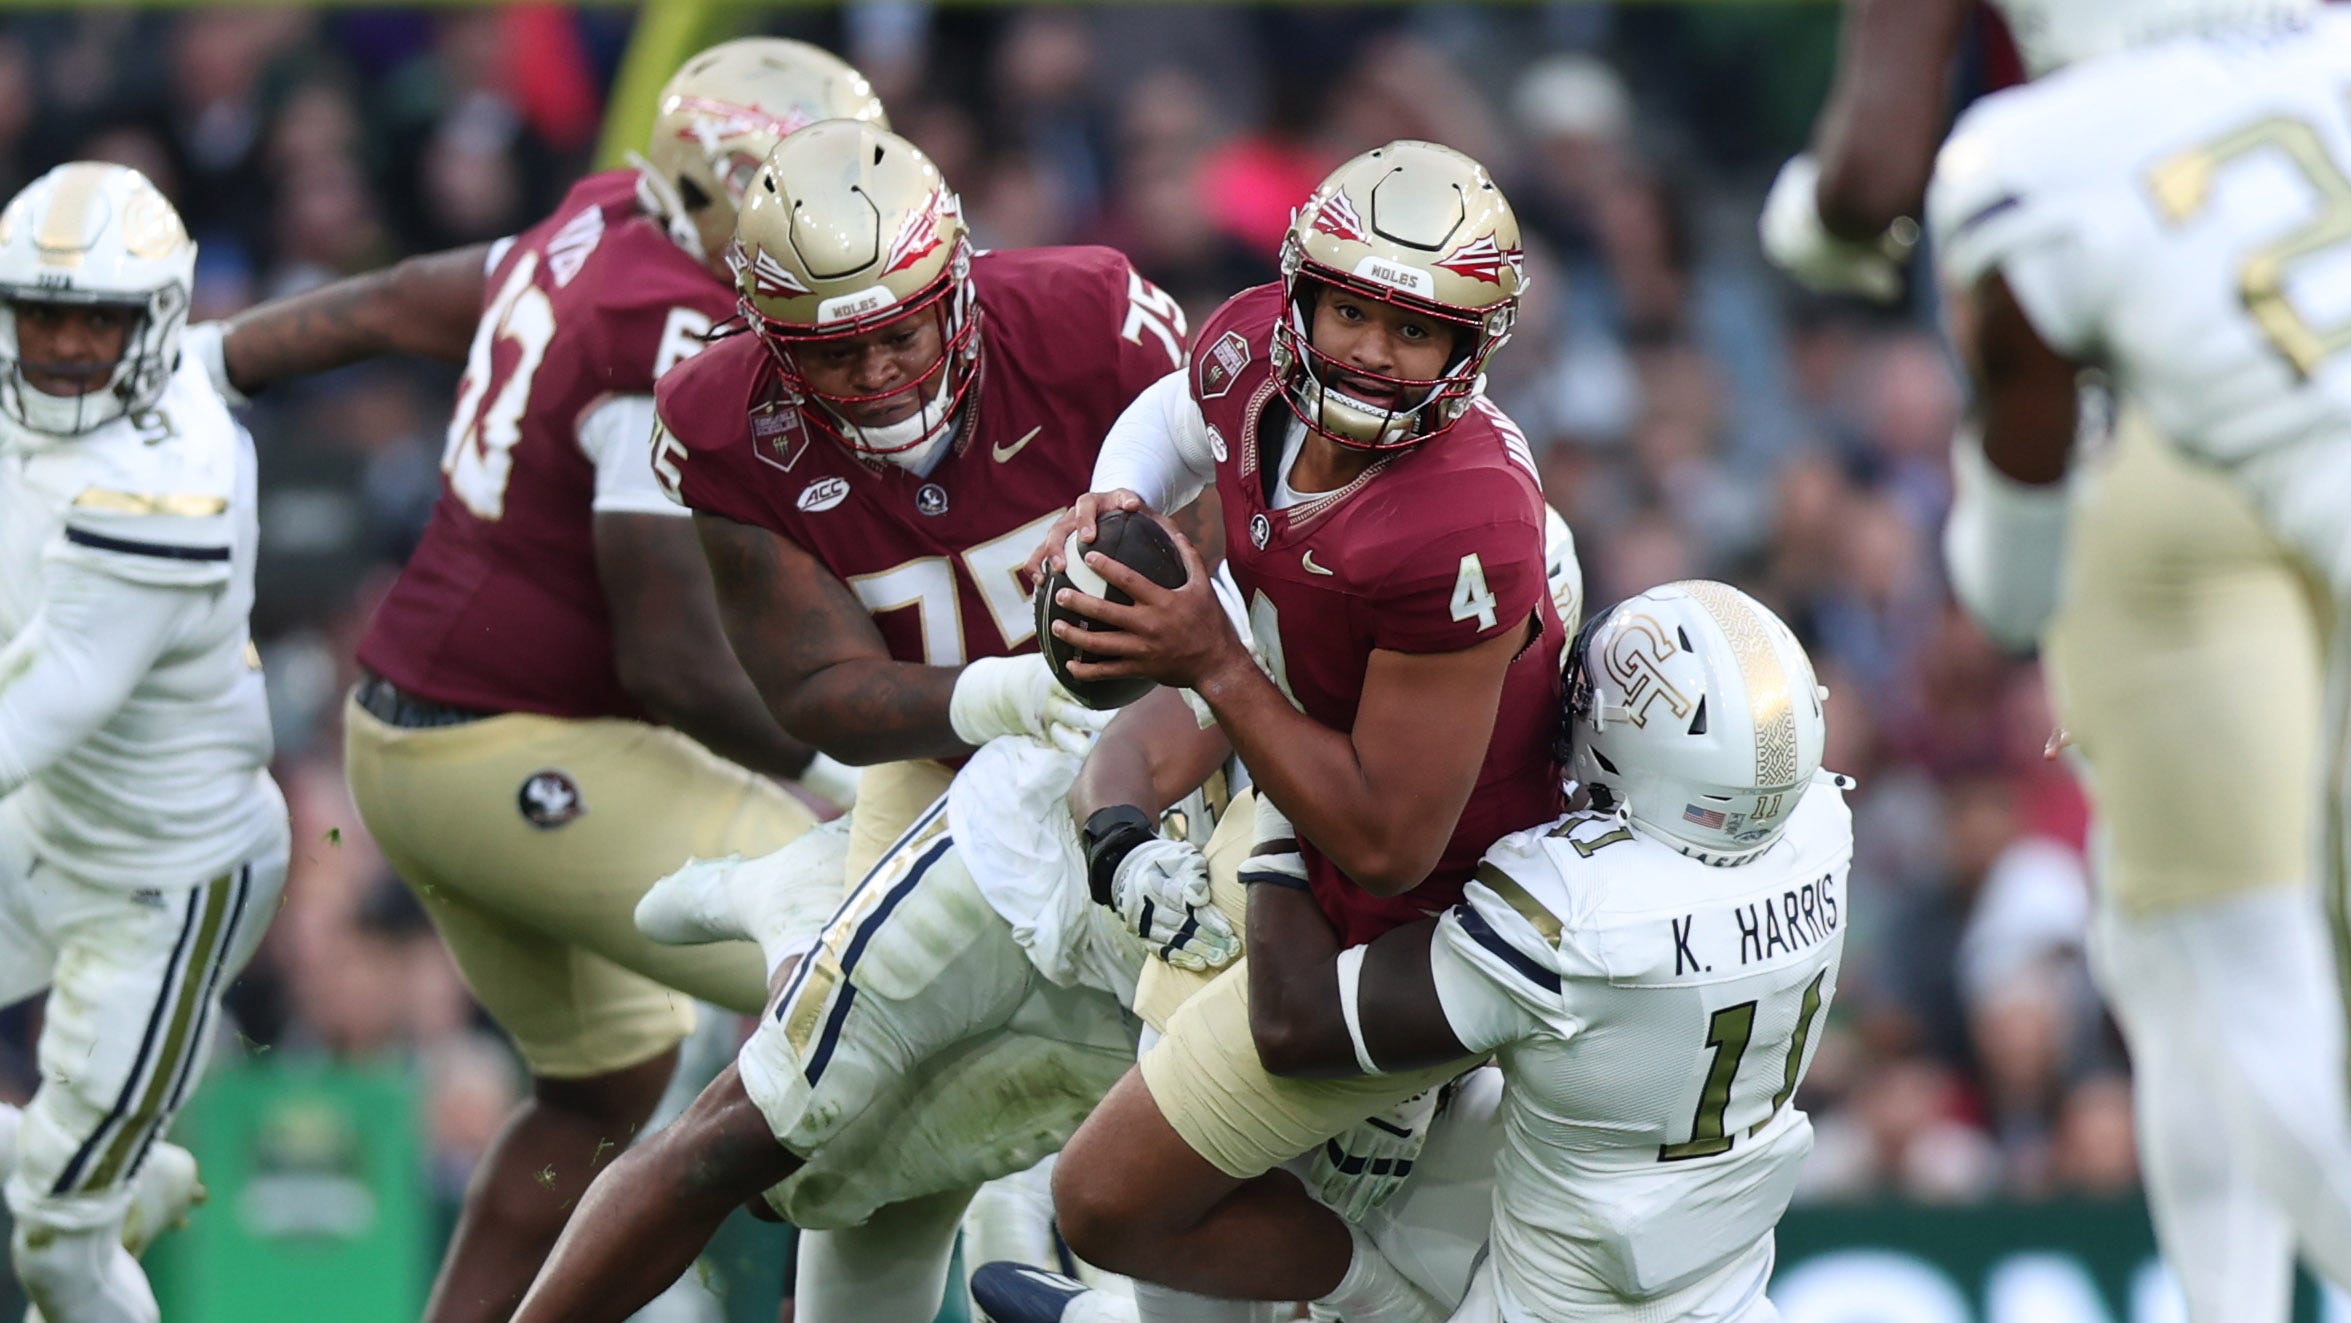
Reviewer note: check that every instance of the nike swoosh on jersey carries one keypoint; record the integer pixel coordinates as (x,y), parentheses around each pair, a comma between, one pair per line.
(1306,559)
(1004,452)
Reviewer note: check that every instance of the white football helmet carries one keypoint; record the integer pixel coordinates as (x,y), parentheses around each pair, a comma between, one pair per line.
(2052,33)
(90,233)
(1693,710)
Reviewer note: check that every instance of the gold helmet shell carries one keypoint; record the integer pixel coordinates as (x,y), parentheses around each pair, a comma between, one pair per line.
(1419,226)
(848,228)
(720,115)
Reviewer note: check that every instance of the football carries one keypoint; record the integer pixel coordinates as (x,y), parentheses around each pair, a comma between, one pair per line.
(1132,539)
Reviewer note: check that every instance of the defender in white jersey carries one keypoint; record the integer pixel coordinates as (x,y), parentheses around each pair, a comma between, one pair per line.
(2187,637)
(2168,202)
(142,843)
(1648,973)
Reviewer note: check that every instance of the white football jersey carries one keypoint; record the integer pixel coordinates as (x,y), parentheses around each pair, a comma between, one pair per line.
(172,788)
(1652,1016)
(2180,213)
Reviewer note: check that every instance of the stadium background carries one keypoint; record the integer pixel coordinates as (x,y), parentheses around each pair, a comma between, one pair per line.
(1694,415)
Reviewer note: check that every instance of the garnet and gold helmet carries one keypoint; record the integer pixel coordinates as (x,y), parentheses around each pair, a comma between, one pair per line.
(849,228)
(718,118)
(1418,226)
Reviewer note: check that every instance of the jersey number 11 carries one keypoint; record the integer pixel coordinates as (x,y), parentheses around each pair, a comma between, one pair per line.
(1727,1034)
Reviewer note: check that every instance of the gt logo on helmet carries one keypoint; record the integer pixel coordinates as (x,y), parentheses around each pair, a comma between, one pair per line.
(1636,660)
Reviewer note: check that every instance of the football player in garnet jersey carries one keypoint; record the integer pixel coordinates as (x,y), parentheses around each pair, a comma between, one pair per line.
(870,465)
(549,717)
(1384,522)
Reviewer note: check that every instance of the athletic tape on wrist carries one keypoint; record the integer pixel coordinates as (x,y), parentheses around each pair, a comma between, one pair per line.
(1350,983)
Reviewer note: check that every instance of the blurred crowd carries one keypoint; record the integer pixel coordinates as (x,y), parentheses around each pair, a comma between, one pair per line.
(1694,415)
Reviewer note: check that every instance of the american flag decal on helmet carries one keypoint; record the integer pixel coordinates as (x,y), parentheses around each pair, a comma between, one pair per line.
(919,235)
(770,280)
(1482,260)
(1704,817)
(1337,218)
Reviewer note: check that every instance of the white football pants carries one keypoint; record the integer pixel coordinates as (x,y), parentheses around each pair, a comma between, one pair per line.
(2235,1025)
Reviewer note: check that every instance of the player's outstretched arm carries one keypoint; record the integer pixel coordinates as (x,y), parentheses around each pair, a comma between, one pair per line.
(1379,801)
(815,657)
(1300,985)
(649,1213)
(1153,753)
(671,652)
(424,305)
(2005,538)
(1875,139)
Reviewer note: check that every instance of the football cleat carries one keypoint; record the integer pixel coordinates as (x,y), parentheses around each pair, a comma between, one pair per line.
(166,1189)
(776,899)
(1018,1293)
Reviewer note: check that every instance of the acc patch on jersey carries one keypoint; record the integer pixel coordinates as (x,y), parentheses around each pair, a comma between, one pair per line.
(548,799)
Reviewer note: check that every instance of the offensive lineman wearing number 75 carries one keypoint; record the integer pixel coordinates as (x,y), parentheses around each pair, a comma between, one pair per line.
(869,467)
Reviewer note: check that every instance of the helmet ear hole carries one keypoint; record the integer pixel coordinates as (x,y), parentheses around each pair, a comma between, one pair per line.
(691,194)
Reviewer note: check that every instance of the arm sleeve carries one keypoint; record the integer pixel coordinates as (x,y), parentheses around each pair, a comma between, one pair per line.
(617,437)
(1158,448)
(95,635)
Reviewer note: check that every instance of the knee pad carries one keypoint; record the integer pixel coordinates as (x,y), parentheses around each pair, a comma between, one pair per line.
(81,1276)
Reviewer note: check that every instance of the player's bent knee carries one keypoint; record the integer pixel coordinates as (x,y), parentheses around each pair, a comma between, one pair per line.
(1102,1216)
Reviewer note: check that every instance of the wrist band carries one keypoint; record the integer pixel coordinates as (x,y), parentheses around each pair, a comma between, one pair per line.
(1110,835)
(1350,981)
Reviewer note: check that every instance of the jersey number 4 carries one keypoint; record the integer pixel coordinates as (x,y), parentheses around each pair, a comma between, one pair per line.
(1727,1035)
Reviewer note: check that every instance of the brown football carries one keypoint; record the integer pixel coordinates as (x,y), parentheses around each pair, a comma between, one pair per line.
(1132,539)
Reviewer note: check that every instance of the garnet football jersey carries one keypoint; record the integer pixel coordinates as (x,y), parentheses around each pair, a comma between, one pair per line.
(1434,549)
(1068,336)
(500,607)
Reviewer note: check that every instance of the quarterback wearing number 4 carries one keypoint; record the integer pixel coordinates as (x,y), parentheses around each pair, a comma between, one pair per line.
(142,843)
(1384,524)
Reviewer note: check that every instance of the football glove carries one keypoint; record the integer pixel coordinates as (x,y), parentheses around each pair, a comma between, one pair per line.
(1359,1169)
(998,696)
(1798,243)
(1161,889)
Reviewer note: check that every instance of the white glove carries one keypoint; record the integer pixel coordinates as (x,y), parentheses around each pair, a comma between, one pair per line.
(1161,890)
(1357,1170)
(1798,243)
(997,696)
(834,780)
(202,342)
